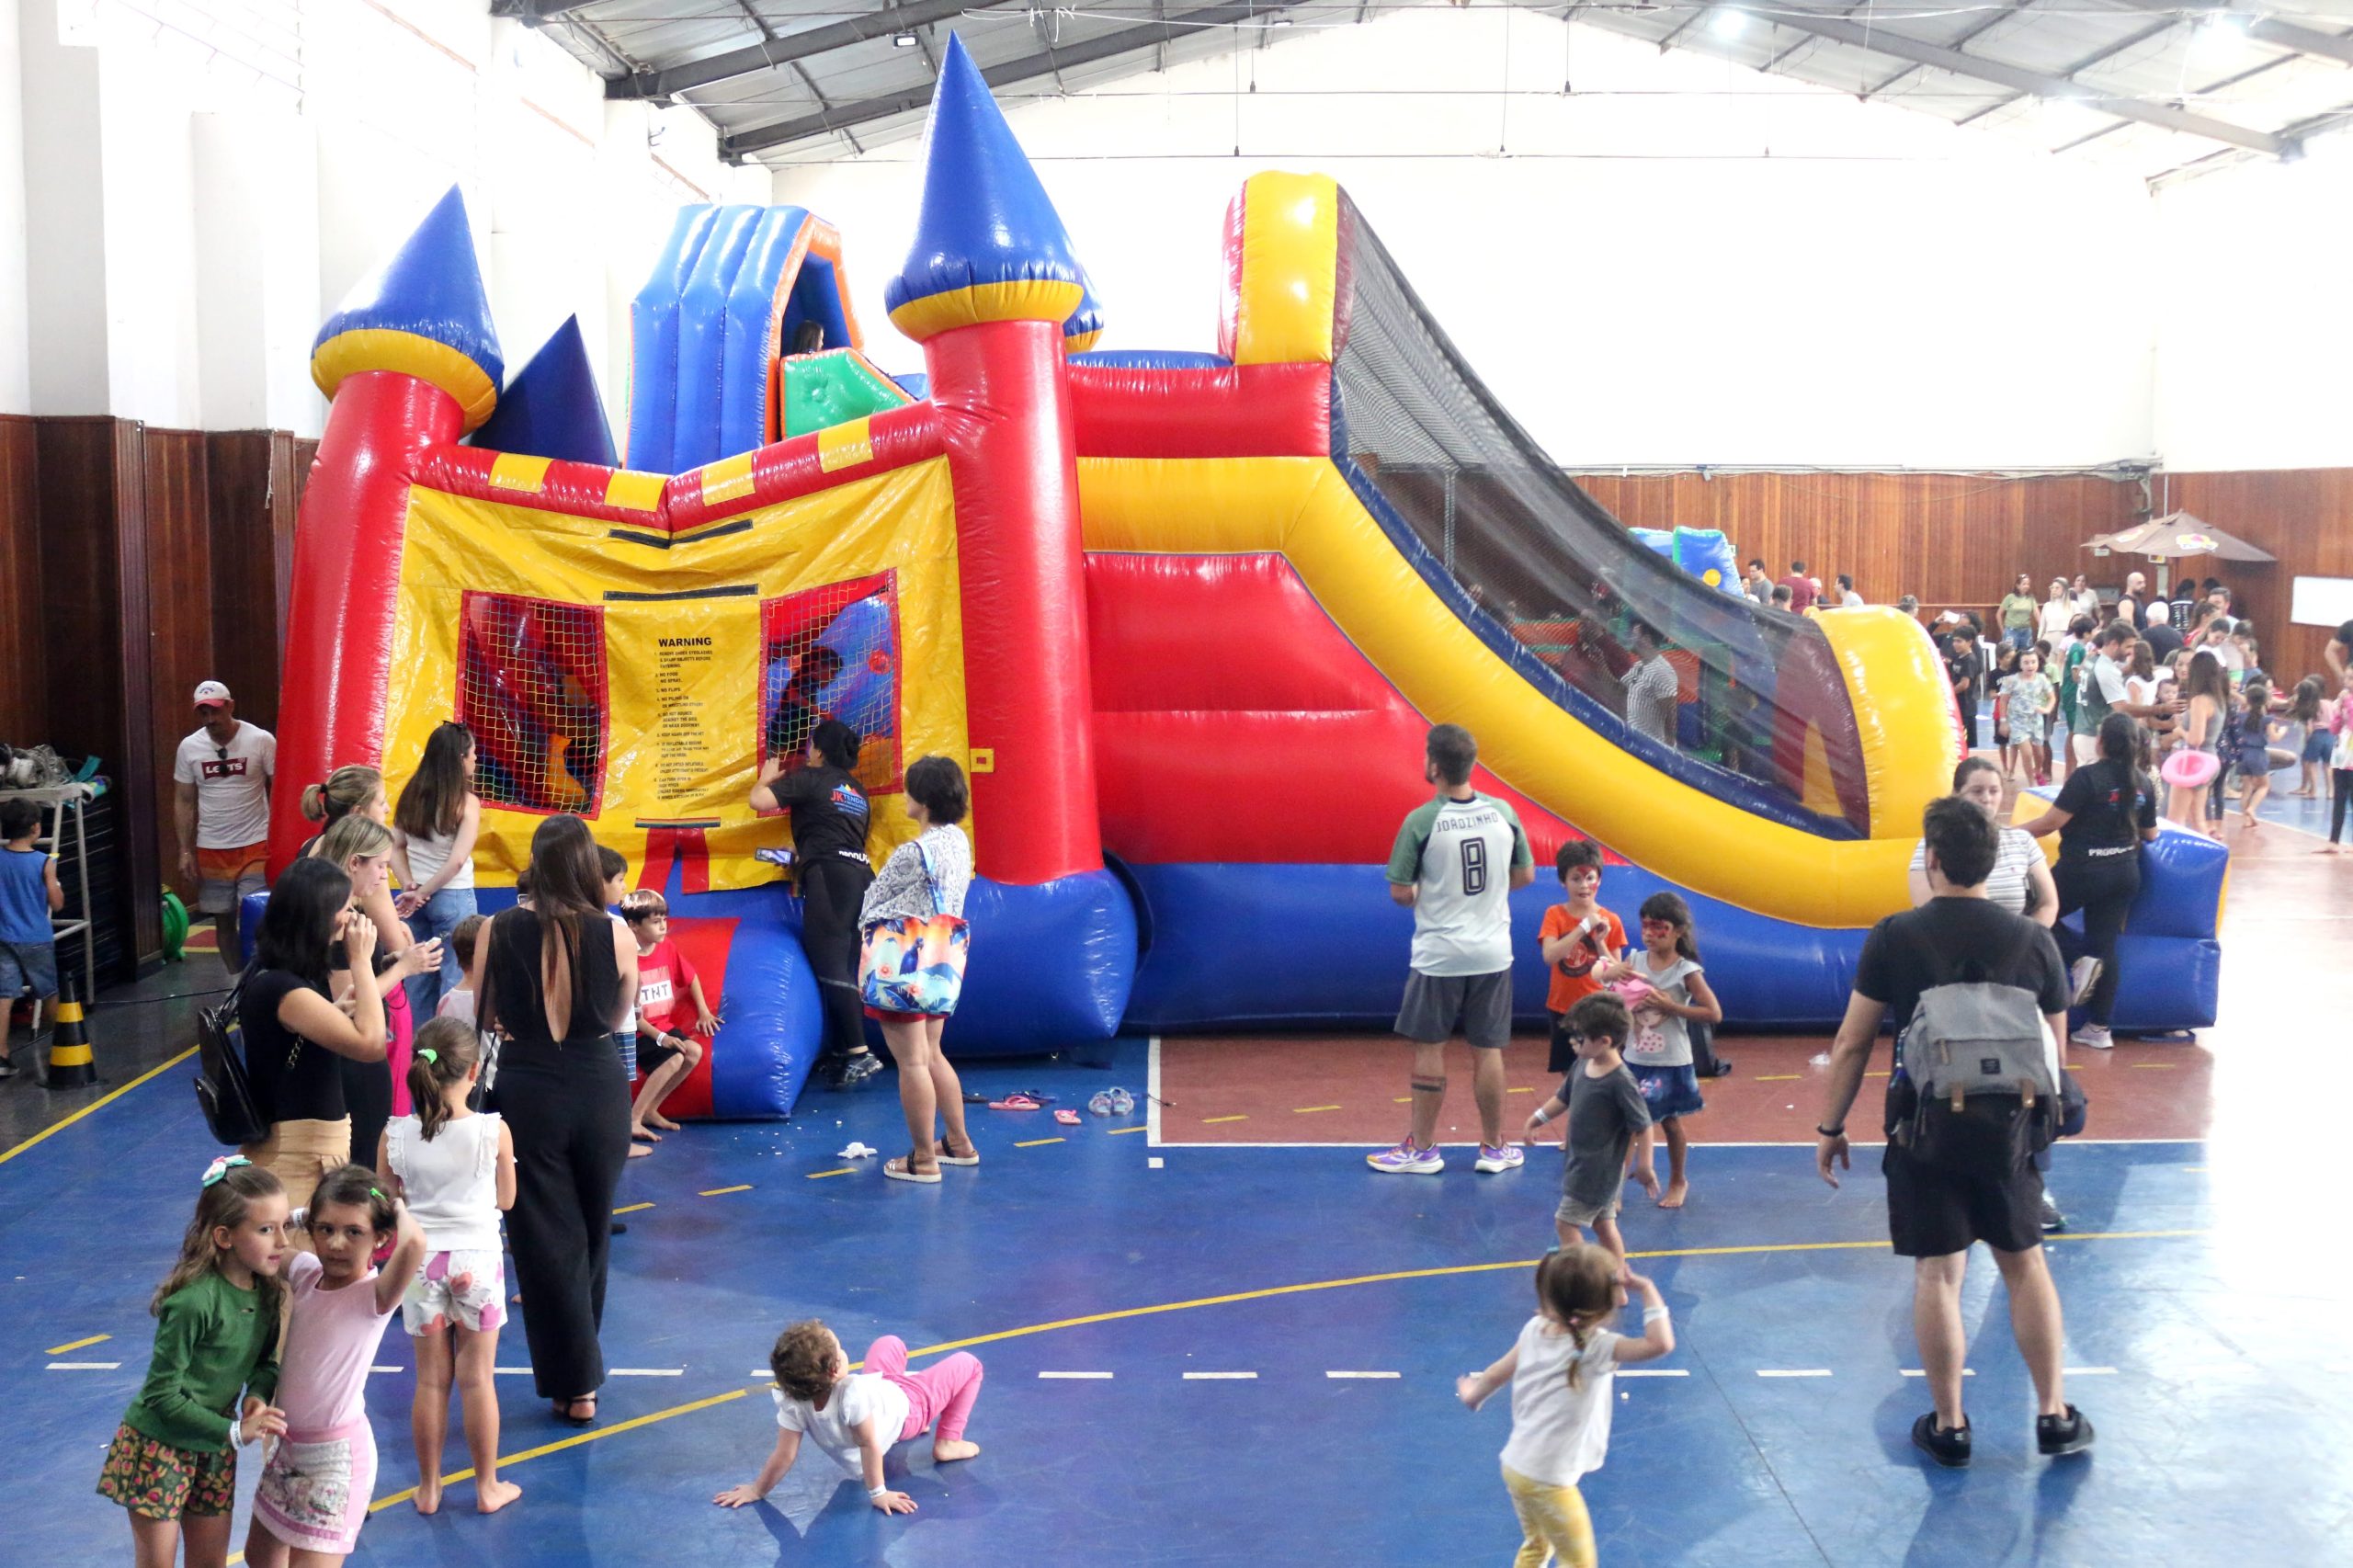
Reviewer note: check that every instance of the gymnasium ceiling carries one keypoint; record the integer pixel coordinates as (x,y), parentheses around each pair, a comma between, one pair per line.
(2166,89)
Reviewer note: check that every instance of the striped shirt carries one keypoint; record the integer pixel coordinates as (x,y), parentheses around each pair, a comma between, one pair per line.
(2007,888)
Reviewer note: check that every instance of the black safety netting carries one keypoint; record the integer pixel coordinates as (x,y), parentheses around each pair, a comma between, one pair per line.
(1557,585)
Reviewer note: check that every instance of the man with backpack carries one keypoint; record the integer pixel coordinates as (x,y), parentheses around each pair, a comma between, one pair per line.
(1978,997)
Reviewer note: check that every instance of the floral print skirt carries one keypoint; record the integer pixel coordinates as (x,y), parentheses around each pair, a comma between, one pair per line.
(162,1483)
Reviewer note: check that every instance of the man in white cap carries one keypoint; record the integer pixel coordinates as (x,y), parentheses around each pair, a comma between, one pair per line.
(222,808)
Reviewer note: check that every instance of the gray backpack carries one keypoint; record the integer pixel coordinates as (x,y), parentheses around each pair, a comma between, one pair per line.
(1976,1087)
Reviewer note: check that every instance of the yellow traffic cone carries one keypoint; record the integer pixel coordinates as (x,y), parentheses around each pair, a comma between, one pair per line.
(71,1065)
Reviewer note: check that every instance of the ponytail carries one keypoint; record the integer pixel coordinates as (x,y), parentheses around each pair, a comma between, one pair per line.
(346,790)
(447,1051)
(1575,1286)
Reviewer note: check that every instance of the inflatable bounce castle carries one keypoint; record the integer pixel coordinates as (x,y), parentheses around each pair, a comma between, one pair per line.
(1184,617)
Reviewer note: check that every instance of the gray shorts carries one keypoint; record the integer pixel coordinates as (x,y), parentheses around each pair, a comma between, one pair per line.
(1576,1211)
(1437,1004)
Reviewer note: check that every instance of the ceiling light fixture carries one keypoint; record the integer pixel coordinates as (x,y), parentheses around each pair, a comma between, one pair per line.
(1728,23)
(903,41)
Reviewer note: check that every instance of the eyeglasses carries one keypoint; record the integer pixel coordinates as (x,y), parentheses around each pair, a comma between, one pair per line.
(221,752)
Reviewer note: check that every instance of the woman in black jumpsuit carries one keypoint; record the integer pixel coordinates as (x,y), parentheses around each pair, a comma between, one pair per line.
(2105,813)
(555,980)
(829,823)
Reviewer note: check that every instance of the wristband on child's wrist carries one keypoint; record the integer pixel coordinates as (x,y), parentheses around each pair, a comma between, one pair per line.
(1539,1115)
(1652,1314)
(876,1493)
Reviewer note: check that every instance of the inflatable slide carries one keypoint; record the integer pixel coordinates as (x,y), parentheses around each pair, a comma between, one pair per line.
(1184,617)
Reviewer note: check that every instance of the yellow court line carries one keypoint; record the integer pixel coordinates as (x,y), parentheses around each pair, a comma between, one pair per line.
(103,1100)
(2154,1066)
(78,1343)
(1401,1100)
(1882,1075)
(1519,1091)
(1311,1109)
(1033,1143)
(1268,1292)
(632,1208)
(845,1170)
(1212,1121)
(723,1192)
(1116,1131)
(1780,1077)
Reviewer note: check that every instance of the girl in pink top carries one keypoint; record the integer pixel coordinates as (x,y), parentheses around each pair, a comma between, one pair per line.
(314,1490)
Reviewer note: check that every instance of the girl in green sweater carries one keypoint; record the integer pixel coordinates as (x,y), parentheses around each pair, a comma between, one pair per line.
(172,1463)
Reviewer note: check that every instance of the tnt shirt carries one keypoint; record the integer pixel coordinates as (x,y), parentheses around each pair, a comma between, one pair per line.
(232,785)
(663,976)
(1460,855)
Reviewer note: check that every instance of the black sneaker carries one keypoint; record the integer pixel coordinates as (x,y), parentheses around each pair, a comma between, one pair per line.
(9,1069)
(2053,1221)
(858,1069)
(1949,1447)
(2068,1433)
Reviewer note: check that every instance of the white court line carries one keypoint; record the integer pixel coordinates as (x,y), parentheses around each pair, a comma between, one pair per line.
(388,1369)
(2087,1371)
(84,1366)
(1213,1377)
(512,1371)
(646,1371)
(1364,1374)
(1792,1372)
(1068,1375)
(1923,1371)
(1155,1163)
(1654,1371)
(1151,1094)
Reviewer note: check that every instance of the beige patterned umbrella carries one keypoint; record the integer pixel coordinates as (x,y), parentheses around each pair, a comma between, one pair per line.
(2178,534)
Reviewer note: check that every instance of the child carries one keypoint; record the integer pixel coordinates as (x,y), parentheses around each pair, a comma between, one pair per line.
(2005,671)
(172,1463)
(1660,1051)
(455,1169)
(315,1487)
(1563,1373)
(1576,935)
(28,894)
(1605,1113)
(458,1001)
(2028,699)
(663,972)
(2254,758)
(2340,770)
(2315,740)
(616,874)
(854,1419)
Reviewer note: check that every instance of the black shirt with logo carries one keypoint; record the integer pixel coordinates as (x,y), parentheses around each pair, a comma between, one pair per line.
(2111,803)
(829,813)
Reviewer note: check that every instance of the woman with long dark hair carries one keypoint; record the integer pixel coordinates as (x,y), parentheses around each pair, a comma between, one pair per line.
(830,817)
(297,1039)
(436,825)
(2106,811)
(555,980)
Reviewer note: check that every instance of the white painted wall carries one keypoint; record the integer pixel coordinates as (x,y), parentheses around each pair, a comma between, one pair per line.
(1770,274)
(16,365)
(2255,348)
(65,261)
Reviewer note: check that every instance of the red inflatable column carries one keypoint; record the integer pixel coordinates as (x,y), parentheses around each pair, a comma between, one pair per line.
(1004,398)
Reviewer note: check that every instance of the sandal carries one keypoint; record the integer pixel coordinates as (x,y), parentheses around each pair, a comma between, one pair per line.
(565,1407)
(1018,1102)
(949,1159)
(904,1169)
(1067,1117)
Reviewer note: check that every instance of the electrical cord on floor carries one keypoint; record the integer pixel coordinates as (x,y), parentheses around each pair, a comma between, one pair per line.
(150,1001)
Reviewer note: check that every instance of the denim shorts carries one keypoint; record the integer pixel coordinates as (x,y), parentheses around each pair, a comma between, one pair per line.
(26,964)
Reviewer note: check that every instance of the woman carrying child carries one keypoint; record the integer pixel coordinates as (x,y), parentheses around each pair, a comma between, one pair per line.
(315,1489)
(173,1463)
(1669,992)
(1562,1372)
(455,1169)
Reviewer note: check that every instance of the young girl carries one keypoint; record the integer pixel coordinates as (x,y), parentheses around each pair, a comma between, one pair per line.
(435,825)
(2313,739)
(2208,687)
(172,1463)
(927,876)
(455,1169)
(2031,696)
(1660,1052)
(1563,1375)
(855,1418)
(2254,758)
(314,1490)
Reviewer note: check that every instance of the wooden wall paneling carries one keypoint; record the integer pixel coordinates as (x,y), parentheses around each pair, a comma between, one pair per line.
(23,622)
(182,605)
(2304,516)
(249,476)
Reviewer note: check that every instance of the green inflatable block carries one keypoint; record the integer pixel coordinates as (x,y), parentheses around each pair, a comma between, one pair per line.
(821,390)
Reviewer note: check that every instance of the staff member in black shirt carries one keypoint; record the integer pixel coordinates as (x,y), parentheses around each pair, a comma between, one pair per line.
(829,824)
(1966,666)
(2104,813)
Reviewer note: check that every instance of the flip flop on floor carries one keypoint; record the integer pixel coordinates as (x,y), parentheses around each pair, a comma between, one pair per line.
(1016,1102)
(1067,1117)
(904,1169)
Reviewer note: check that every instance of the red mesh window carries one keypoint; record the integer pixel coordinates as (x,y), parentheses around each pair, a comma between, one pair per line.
(532,686)
(833,653)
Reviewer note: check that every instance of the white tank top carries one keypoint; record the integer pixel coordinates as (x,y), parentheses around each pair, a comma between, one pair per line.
(428,854)
(450,1180)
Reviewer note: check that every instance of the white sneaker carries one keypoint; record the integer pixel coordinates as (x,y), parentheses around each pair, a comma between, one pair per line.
(1506,1157)
(2092,1037)
(2081,977)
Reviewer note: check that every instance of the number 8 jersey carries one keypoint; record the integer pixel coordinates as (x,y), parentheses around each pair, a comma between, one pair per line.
(1460,855)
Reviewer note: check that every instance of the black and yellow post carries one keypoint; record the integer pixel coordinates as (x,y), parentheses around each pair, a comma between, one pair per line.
(71,1065)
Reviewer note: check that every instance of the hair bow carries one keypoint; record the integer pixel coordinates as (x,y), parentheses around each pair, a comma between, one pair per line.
(221,1167)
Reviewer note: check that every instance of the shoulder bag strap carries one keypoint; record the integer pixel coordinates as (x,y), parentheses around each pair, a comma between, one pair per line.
(930,877)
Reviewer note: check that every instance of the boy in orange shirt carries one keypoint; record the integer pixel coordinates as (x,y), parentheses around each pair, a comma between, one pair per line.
(667,1050)
(1574,937)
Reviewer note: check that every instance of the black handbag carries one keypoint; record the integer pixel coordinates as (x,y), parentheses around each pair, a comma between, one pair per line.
(223,1092)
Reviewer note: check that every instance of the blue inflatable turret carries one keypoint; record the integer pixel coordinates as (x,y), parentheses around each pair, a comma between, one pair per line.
(553,409)
(423,313)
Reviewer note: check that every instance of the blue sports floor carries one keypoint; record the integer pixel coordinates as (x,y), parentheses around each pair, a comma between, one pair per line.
(2215,1352)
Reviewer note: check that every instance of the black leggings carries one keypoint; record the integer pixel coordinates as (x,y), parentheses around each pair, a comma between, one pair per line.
(2104,890)
(568,1110)
(832,889)
(2340,782)
(368,1094)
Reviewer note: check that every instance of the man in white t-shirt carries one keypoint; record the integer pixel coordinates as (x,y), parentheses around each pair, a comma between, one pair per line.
(1456,860)
(220,780)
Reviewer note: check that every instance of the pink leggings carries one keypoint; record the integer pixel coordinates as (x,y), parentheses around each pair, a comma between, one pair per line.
(942,1393)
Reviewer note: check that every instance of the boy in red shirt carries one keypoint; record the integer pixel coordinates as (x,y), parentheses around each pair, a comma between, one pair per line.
(665,980)
(1575,936)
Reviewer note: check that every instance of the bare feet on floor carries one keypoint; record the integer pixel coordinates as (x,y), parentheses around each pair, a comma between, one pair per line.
(638,1133)
(491,1495)
(949,1450)
(428,1495)
(655,1119)
(638,1150)
(1675,1195)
